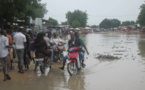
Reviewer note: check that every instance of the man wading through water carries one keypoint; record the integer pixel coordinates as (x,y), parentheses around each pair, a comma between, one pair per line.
(4,55)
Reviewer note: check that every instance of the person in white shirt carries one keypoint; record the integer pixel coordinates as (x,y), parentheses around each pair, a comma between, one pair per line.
(54,41)
(4,55)
(47,39)
(20,45)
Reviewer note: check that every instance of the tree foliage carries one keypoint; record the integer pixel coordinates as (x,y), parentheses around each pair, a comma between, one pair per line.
(141,17)
(87,25)
(21,10)
(126,23)
(109,23)
(76,24)
(105,24)
(53,22)
(77,18)
(64,23)
(115,23)
(94,26)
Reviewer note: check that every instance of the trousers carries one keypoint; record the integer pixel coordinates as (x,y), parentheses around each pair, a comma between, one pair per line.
(20,55)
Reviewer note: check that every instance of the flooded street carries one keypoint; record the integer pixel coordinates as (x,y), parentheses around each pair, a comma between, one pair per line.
(125,73)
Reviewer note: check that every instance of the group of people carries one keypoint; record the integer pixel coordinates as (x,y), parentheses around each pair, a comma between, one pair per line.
(24,46)
(14,45)
(58,30)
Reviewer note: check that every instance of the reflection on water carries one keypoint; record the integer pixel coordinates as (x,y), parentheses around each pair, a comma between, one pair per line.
(76,82)
(141,45)
(126,73)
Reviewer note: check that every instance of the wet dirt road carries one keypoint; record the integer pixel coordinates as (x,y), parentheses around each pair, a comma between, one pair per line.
(126,73)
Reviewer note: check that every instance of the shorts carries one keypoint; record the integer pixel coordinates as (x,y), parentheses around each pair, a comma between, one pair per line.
(5,61)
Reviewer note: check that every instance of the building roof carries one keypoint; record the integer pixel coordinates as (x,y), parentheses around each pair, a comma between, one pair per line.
(44,20)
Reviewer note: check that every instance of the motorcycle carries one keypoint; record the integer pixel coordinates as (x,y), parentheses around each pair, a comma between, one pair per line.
(42,61)
(58,53)
(74,63)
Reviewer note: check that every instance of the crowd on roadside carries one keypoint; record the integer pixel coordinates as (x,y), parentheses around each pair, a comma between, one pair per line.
(22,45)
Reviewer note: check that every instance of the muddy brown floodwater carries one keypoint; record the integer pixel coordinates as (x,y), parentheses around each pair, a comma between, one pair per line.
(126,73)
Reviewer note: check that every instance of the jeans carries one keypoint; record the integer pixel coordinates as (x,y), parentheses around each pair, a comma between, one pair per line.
(81,56)
(52,53)
(64,58)
(20,55)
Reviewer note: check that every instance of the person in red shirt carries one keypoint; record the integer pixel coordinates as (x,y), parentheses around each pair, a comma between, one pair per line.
(67,31)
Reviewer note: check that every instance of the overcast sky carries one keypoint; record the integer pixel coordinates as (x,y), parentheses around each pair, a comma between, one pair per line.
(97,10)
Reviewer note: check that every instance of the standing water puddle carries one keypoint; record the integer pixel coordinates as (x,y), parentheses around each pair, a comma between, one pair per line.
(125,73)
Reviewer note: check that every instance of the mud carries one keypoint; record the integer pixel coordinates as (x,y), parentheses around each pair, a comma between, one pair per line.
(127,73)
(108,57)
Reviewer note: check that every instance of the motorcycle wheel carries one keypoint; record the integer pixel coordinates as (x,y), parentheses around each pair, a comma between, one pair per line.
(79,65)
(42,68)
(72,68)
(55,58)
(60,58)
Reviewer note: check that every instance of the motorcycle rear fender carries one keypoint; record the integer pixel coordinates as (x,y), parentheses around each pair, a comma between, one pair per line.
(73,60)
(75,48)
(38,63)
(39,59)
(73,54)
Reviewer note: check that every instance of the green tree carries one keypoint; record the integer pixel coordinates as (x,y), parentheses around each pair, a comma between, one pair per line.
(141,17)
(11,10)
(94,26)
(87,25)
(109,23)
(53,22)
(64,23)
(126,23)
(77,16)
(132,22)
(6,11)
(76,24)
(115,23)
(106,23)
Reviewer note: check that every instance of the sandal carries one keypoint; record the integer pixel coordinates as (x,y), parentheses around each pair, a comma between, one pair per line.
(5,78)
(26,69)
(22,72)
(8,77)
